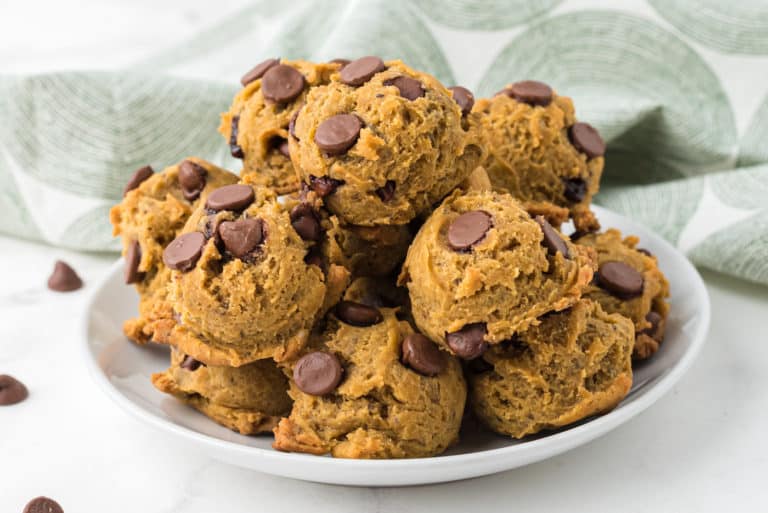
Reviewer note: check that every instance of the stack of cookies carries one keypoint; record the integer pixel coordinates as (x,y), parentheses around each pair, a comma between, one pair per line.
(388,261)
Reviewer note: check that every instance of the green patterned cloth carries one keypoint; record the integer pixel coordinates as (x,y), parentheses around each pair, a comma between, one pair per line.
(678,88)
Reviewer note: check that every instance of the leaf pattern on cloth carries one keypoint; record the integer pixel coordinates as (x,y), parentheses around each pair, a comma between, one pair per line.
(483,14)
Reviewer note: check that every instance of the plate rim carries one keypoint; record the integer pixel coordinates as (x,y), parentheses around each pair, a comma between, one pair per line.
(528,452)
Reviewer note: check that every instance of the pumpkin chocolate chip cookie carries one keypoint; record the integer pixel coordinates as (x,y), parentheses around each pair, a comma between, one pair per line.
(573,364)
(154,208)
(540,154)
(481,269)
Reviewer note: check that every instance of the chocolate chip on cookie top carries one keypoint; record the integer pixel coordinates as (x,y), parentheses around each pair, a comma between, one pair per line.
(132,261)
(338,133)
(422,355)
(386,193)
(464,98)
(587,140)
(358,314)
(317,373)
(43,505)
(469,342)
(324,185)
(282,84)
(620,279)
(12,390)
(341,62)
(235,149)
(136,179)
(409,88)
(192,179)
(183,253)
(468,229)
(574,189)
(64,278)
(234,197)
(531,92)
(258,71)
(360,71)
(242,237)
(552,240)
(190,364)
(305,221)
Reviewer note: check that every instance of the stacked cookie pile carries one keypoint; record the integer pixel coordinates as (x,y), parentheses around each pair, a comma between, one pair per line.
(389,253)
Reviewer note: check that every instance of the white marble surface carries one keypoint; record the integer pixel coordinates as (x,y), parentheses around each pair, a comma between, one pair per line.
(701,448)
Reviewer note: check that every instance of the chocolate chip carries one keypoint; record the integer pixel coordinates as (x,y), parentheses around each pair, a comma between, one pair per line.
(577,234)
(409,88)
(317,373)
(644,252)
(304,220)
(337,134)
(12,391)
(342,62)
(421,355)
(314,257)
(192,179)
(552,240)
(282,84)
(469,342)
(574,189)
(587,140)
(620,279)
(43,505)
(235,148)
(387,192)
(283,148)
(64,278)
(468,229)
(141,174)
(258,71)
(324,185)
(191,364)
(358,314)
(360,71)
(653,331)
(292,124)
(241,237)
(463,97)
(183,253)
(132,261)
(530,92)
(234,197)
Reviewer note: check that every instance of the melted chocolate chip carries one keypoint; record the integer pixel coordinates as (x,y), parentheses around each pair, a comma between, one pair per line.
(324,185)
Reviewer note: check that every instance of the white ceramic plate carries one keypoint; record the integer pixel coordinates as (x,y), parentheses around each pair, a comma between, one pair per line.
(122,370)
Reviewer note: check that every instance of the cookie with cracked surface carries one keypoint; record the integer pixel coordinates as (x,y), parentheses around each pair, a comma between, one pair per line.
(574,364)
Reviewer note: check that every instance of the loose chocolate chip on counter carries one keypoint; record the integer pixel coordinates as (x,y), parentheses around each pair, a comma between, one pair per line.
(282,84)
(191,364)
(387,192)
(284,149)
(342,62)
(305,221)
(644,251)
(422,355)
(317,373)
(338,134)
(360,71)
(241,237)
(64,278)
(464,98)
(530,92)
(409,88)
(43,505)
(132,261)
(12,391)
(587,140)
(192,179)
(358,314)
(653,331)
(234,149)
(469,342)
(183,253)
(574,189)
(324,185)
(552,240)
(468,229)
(258,71)
(620,279)
(234,197)
(141,174)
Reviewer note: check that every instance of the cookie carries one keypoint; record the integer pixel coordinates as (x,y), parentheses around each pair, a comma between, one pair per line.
(540,154)
(369,387)
(574,364)
(248,399)
(629,282)
(256,125)
(382,142)
(152,213)
(481,269)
